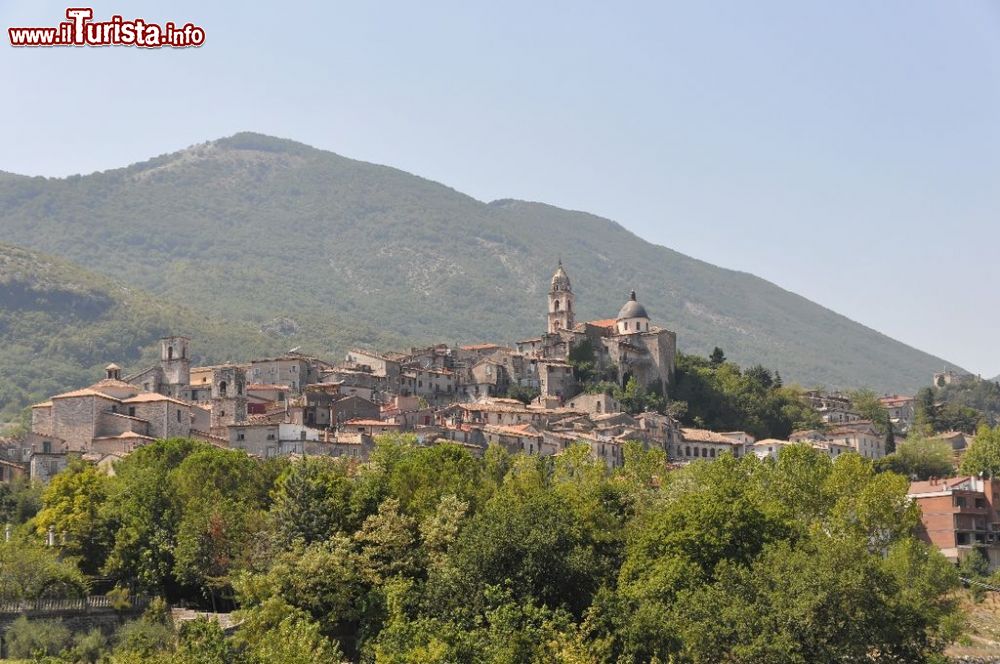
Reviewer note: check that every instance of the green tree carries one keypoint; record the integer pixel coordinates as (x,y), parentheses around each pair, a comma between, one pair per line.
(718,357)
(72,506)
(30,571)
(983,455)
(36,639)
(202,641)
(20,500)
(312,500)
(920,458)
(866,403)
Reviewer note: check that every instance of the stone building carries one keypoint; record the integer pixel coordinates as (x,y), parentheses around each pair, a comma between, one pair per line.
(172,376)
(110,416)
(292,370)
(229,397)
(629,345)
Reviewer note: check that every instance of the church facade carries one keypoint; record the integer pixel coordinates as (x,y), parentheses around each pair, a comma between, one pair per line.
(626,346)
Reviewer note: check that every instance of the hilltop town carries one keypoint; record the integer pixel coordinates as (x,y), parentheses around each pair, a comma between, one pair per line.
(539,396)
(527,398)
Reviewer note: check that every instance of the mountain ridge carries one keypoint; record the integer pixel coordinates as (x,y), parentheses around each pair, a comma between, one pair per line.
(361,253)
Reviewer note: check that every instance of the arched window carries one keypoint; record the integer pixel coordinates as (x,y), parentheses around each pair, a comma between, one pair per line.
(556,305)
(222,388)
(170,352)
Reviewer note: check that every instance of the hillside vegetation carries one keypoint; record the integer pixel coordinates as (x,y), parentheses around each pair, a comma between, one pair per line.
(253,228)
(60,325)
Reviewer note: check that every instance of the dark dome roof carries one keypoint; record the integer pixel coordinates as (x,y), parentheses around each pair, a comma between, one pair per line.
(632,309)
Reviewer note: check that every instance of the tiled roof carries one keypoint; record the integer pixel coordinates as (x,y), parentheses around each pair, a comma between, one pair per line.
(604,322)
(705,436)
(128,435)
(932,486)
(370,423)
(85,392)
(152,397)
(479,347)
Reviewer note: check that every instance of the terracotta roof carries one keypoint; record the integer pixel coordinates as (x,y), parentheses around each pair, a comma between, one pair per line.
(705,436)
(370,423)
(152,397)
(85,392)
(128,435)
(932,486)
(518,430)
(267,386)
(112,382)
(44,404)
(495,407)
(604,322)
(479,346)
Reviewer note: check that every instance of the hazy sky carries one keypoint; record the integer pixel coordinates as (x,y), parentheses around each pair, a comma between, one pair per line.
(848,151)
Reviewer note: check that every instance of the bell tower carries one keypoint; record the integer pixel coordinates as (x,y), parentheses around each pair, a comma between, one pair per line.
(560,302)
(229,397)
(176,365)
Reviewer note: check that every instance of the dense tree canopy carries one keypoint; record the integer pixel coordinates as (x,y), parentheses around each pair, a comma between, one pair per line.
(428,554)
(719,395)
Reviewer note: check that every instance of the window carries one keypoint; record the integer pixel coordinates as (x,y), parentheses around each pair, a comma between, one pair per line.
(687,450)
(131,411)
(270,436)
(178,414)
(241,436)
(980,503)
(47,447)
(959,501)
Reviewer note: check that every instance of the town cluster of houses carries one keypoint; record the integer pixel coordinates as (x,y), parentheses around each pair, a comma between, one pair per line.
(297,404)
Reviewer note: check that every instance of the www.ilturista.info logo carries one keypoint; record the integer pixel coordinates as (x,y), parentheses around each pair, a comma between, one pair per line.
(81,30)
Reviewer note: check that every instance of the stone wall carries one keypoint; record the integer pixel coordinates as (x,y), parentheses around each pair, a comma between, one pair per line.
(73,419)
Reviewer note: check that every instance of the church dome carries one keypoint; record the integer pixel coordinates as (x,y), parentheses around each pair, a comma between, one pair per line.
(560,280)
(632,309)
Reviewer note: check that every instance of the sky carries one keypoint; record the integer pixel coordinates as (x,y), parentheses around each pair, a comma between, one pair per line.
(848,151)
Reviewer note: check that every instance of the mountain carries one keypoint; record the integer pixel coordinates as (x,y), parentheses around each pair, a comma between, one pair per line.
(333,252)
(60,325)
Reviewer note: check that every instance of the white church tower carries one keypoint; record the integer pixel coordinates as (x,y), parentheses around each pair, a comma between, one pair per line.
(560,302)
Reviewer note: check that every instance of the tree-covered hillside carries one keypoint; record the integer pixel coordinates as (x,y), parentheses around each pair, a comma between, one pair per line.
(255,228)
(60,325)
